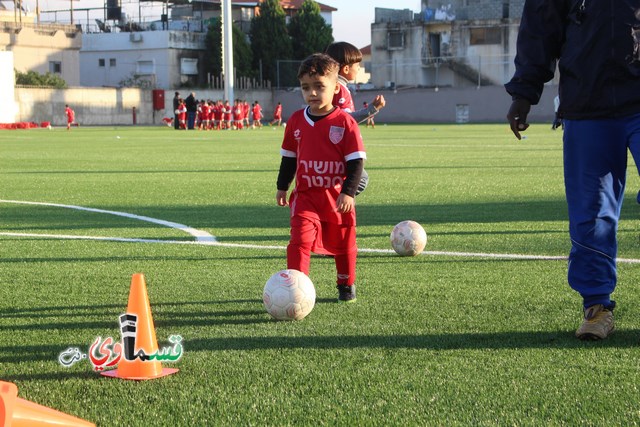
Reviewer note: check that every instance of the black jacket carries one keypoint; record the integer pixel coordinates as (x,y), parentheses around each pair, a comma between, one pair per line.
(597,44)
(191,103)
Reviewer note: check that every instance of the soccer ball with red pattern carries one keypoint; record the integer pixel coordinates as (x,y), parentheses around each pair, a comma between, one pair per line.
(289,295)
(408,238)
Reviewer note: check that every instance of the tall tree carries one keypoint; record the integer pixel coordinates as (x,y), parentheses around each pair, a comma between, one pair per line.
(270,39)
(242,55)
(308,30)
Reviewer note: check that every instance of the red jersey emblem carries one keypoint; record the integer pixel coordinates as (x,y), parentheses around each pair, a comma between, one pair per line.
(335,134)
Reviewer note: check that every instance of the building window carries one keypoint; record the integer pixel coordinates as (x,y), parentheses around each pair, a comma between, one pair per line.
(101,62)
(55,67)
(145,68)
(485,36)
(189,66)
(112,62)
(395,40)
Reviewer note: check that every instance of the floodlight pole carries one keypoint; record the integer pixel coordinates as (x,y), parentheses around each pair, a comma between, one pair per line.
(227,50)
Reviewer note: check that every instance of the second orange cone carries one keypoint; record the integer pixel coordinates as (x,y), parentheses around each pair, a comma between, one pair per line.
(145,338)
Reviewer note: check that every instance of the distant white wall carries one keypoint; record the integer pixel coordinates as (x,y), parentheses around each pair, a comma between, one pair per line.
(8,108)
(110,106)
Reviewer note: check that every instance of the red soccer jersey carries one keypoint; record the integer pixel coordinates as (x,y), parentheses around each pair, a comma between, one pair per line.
(70,114)
(277,114)
(257,112)
(322,150)
(205,111)
(217,112)
(343,99)
(237,112)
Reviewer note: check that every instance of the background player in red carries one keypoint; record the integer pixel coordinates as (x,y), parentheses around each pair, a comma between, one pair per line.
(182,114)
(246,111)
(277,115)
(71,116)
(257,115)
(238,111)
(323,149)
(349,57)
(226,115)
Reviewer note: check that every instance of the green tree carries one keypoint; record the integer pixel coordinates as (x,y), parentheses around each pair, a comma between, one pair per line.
(32,78)
(308,30)
(242,55)
(270,40)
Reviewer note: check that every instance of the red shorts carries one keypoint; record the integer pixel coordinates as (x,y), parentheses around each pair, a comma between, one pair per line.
(323,237)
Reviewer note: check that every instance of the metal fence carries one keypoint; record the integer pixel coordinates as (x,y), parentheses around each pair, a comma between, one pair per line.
(431,72)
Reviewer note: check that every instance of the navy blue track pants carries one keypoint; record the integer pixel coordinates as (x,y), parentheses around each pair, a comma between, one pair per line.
(595,167)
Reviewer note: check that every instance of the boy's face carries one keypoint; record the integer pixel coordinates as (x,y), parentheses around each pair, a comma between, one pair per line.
(350,72)
(318,92)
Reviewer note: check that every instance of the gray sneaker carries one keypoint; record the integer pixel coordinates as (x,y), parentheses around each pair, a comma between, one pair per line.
(597,323)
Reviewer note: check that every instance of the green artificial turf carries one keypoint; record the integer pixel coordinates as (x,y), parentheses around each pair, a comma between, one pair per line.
(449,337)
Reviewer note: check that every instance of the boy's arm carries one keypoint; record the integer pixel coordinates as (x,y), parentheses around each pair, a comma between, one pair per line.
(285,176)
(354,173)
(364,113)
(345,202)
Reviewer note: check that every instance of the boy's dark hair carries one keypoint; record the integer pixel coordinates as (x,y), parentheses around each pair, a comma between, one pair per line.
(345,53)
(318,64)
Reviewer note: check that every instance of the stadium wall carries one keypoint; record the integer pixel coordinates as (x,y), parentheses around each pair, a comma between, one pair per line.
(487,104)
(112,106)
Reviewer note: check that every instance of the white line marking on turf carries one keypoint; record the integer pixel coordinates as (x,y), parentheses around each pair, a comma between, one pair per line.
(522,257)
(201,236)
(206,239)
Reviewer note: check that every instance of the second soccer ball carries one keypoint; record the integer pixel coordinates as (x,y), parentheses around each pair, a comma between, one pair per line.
(408,238)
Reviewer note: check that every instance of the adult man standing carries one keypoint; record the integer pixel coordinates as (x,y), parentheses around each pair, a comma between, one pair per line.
(176,105)
(192,109)
(600,107)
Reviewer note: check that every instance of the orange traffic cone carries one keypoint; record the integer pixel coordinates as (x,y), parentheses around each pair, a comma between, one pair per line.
(145,338)
(17,412)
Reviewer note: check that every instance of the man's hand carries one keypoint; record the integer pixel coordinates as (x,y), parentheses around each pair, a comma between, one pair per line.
(517,116)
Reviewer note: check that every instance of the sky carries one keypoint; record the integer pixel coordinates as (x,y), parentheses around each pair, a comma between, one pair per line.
(352,22)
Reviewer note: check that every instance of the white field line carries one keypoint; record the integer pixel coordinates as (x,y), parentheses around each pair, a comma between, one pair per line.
(206,239)
(201,236)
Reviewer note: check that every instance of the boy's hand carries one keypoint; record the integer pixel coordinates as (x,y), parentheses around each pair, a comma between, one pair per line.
(379,102)
(281,198)
(344,203)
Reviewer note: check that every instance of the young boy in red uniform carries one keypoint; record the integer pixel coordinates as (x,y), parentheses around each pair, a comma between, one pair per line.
(257,115)
(71,115)
(323,149)
(277,115)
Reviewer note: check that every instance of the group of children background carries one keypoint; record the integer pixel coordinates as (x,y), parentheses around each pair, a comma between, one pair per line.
(219,115)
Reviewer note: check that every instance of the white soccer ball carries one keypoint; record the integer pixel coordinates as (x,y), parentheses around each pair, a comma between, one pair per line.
(284,125)
(408,238)
(289,295)
(49,127)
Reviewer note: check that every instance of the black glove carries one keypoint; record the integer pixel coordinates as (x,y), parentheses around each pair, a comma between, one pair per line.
(557,123)
(517,116)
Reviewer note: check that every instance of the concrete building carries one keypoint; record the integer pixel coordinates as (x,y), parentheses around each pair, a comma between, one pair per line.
(163,59)
(43,48)
(459,43)
(163,54)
